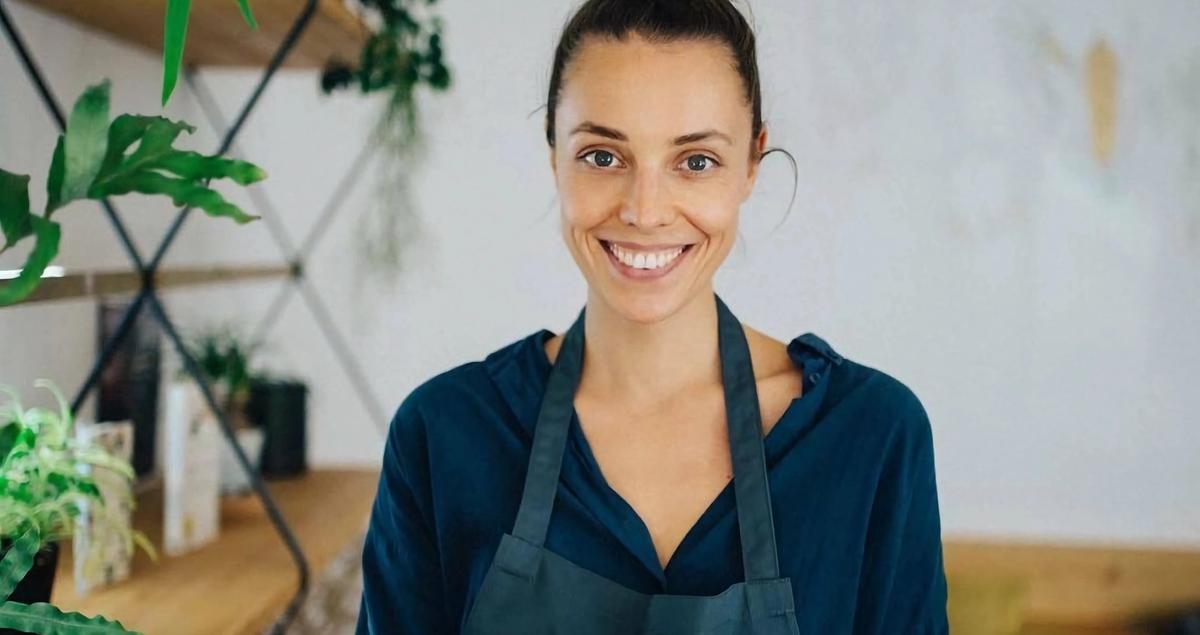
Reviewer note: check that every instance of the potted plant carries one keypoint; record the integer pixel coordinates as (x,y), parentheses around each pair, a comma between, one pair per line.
(224,355)
(45,483)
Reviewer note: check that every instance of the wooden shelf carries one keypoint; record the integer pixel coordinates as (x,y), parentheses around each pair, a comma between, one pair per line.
(217,34)
(83,284)
(242,582)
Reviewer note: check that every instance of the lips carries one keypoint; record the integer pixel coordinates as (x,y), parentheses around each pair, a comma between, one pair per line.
(636,259)
(641,247)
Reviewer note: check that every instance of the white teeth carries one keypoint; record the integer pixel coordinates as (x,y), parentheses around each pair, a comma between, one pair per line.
(645,260)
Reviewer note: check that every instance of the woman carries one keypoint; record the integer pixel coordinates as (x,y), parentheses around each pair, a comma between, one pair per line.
(704,477)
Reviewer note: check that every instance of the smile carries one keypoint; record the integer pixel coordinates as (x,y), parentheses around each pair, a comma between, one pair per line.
(644,263)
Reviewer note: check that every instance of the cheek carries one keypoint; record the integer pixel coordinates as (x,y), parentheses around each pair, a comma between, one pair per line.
(712,214)
(587,200)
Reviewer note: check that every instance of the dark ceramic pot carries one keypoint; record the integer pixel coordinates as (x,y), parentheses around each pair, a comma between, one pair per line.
(278,406)
(37,585)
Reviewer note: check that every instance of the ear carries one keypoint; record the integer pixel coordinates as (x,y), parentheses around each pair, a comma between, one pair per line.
(760,144)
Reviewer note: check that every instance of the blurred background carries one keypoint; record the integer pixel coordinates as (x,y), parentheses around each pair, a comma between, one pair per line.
(998,203)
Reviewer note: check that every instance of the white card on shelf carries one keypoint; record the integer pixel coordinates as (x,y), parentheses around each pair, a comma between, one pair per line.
(101,552)
(191,499)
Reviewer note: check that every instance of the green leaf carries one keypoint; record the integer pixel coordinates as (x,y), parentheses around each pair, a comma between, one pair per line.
(48,234)
(244,5)
(145,169)
(181,191)
(14,208)
(8,438)
(174,34)
(54,180)
(154,152)
(193,165)
(48,619)
(86,139)
(156,134)
(18,561)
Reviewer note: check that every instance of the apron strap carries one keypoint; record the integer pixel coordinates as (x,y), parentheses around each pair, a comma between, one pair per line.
(550,438)
(755,522)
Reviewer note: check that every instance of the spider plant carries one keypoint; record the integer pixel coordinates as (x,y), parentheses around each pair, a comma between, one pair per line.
(45,484)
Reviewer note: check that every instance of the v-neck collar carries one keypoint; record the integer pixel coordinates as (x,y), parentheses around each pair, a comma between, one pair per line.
(521,371)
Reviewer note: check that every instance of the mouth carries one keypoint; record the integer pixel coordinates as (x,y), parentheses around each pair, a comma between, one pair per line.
(639,263)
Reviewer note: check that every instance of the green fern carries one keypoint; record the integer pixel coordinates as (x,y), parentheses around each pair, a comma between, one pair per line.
(95,159)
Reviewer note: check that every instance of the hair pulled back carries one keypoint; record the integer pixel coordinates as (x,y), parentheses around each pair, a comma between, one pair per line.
(660,21)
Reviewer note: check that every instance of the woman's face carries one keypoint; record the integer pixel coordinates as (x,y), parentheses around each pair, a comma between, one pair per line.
(652,162)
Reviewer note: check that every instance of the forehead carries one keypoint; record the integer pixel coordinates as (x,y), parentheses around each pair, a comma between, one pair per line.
(653,89)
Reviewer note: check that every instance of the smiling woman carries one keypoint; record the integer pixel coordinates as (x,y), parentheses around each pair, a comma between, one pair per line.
(654,144)
(703,476)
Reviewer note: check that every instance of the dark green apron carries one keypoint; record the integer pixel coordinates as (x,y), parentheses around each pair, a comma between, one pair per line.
(529,590)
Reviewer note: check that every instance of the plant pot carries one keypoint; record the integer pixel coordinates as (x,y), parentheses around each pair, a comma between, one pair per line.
(233,478)
(37,585)
(278,406)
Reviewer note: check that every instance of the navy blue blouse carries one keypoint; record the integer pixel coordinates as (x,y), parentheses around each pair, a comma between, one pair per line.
(851,472)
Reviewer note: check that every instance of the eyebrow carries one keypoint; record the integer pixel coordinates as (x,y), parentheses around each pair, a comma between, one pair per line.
(605,131)
(702,135)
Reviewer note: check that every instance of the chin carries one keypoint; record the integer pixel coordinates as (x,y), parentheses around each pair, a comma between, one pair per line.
(642,308)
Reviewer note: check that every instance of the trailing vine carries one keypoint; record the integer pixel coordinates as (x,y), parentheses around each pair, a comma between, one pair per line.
(404,53)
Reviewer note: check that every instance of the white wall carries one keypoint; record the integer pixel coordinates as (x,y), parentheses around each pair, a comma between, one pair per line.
(952,227)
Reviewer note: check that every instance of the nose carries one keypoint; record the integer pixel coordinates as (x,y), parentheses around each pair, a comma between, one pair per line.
(645,203)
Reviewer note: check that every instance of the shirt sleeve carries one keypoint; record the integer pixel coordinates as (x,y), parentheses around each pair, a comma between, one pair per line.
(402,578)
(903,583)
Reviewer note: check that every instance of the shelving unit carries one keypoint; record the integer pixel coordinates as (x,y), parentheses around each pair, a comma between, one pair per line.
(218,37)
(291,33)
(89,284)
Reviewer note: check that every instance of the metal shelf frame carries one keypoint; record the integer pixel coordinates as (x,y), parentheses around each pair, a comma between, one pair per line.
(147,295)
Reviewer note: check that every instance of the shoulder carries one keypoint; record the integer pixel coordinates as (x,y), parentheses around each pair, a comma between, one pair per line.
(409,426)
(883,404)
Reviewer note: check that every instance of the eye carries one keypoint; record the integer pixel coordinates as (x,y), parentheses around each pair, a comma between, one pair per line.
(695,163)
(603,158)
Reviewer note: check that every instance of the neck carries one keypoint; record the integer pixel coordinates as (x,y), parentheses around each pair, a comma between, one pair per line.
(644,365)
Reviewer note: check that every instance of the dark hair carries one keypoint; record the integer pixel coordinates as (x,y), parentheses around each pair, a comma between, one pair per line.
(665,21)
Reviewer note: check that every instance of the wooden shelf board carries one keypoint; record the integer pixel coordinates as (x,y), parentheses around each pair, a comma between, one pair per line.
(82,284)
(243,581)
(217,34)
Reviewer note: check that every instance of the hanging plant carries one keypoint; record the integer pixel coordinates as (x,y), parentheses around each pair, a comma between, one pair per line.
(404,52)
(175,24)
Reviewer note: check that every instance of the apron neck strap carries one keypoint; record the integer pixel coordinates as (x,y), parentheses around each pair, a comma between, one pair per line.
(755,522)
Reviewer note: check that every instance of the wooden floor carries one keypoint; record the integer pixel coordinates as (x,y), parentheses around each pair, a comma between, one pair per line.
(239,584)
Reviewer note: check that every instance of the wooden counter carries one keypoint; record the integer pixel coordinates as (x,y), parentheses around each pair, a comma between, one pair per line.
(1070,589)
